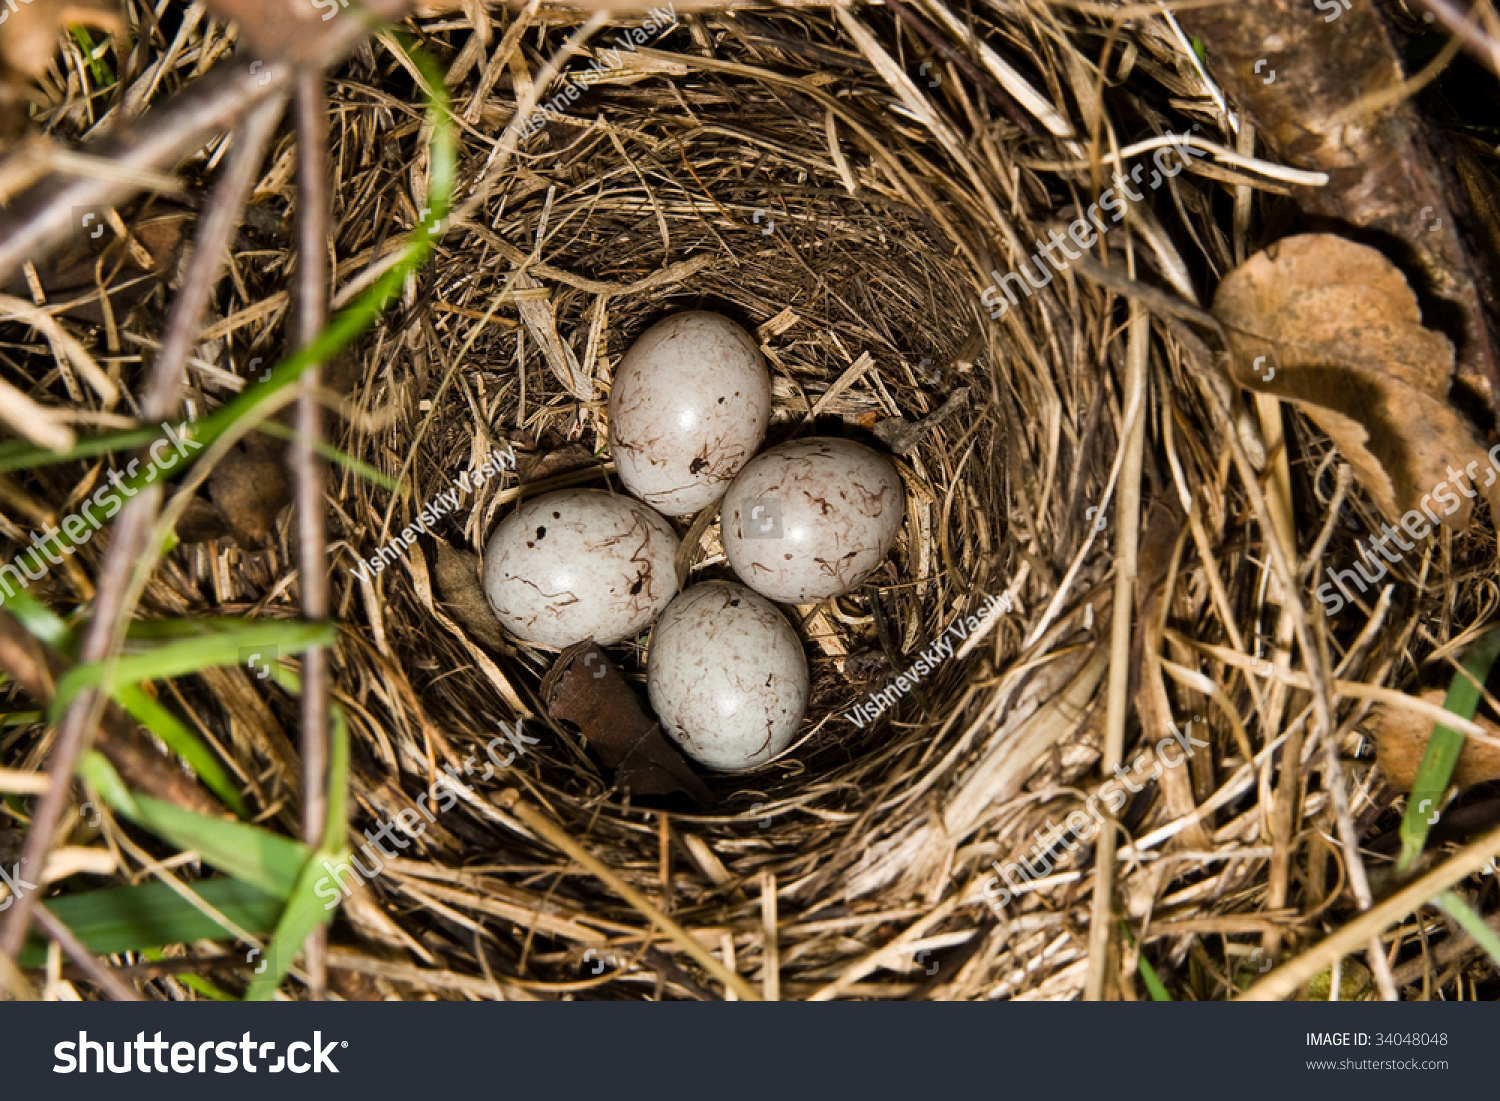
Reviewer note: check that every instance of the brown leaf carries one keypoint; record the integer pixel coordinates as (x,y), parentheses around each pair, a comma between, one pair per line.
(1333,327)
(462,594)
(584,688)
(250,487)
(68,276)
(1401,738)
(565,459)
(201,521)
(301,31)
(1388,168)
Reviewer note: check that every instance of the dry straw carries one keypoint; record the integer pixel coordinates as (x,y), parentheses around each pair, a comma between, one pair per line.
(843,181)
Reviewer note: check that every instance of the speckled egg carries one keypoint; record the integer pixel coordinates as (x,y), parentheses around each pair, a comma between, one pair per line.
(811,519)
(687,409)
(727,676)
(577,564)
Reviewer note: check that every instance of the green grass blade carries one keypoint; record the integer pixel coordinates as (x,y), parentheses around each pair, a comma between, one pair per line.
(203,627)
(45,625)
(177,659)
(195,982)
(1154,985)
(1148,976)
(304,912)
(183,741)
(1443,749)
(259,857)
(306,909)
(334,455)
(1460,911)
(104,76)
(336,824)
(39,619)
(131,919)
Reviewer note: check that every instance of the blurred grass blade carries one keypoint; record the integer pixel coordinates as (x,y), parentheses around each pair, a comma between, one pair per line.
(304,912)
(336,822)
(196,982)
(1471,923)
(131,919)
(306,909)
(259,857)
(334,455)
(202,627)
(177,659)
(1443,749)
(183,741)
(48,627)
(103,75)
(39,619)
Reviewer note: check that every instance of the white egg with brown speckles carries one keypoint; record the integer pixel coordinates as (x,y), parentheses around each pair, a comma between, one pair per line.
(687,409)
(578,564)
(811,519)
(727,676)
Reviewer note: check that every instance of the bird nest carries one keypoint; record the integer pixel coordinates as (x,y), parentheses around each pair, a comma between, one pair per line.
(849,184)
(806,177)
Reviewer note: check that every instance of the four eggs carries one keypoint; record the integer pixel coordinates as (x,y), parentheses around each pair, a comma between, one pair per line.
(801,522)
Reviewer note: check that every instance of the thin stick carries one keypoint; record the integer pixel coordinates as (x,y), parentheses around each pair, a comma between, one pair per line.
(308,468)
(1127,535)
(555,835)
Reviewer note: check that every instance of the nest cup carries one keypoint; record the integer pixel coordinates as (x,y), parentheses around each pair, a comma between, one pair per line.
(844,190)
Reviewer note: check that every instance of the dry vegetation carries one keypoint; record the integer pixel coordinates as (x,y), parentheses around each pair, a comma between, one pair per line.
(843,185)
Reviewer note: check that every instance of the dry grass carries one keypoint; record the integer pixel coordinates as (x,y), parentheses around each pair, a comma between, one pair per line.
(858,859)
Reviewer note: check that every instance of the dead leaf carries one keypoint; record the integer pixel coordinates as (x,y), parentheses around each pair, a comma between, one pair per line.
(1401,738)
(462,595)
(1388,167)
(1333,327)
(301,31)
(250,488)
(564,459)
(584,688)
(201,521)
(68,276)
